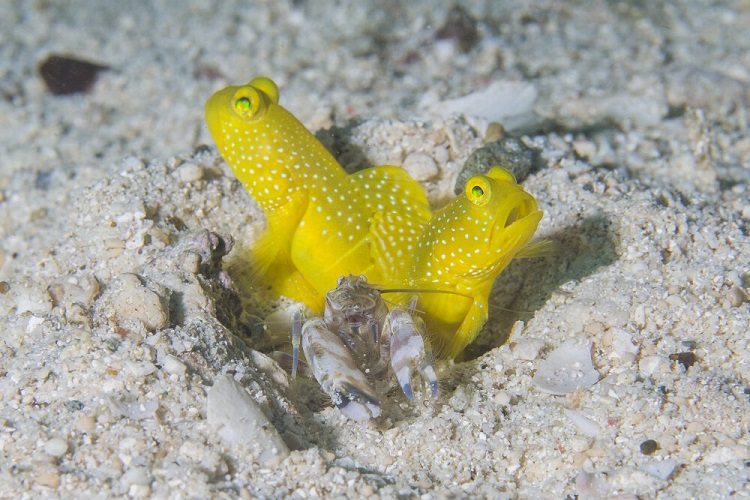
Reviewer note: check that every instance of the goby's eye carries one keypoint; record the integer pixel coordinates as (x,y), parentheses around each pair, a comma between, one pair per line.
(478,189)
(246,102)
(243,104)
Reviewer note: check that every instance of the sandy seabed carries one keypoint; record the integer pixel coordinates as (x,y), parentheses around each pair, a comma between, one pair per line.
(126,370)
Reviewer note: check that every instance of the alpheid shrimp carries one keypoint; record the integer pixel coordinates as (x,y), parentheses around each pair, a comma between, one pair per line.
(359,339)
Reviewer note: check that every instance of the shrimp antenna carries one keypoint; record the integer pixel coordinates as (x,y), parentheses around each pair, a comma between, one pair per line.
(420,290)
(451,292)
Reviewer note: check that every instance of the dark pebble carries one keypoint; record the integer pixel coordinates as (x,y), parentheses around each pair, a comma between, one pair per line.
(461,27)
(649,446)
(509,153)
(67,75)
(686,359)
(74,405)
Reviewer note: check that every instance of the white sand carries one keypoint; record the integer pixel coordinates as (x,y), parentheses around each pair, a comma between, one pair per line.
(114,319)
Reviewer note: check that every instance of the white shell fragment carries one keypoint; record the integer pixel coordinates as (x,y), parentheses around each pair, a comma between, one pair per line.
(590,485)
(240,421)
(662,469)
(567,368)
(133,409)
(622,342)
(528,349)
(507,102)
(587,426)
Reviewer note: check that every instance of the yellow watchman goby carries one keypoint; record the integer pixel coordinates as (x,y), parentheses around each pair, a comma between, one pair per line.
(464,248)
(321,221)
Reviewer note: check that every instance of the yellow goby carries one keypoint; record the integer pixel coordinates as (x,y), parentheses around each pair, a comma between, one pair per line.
(463,248)
(322,222)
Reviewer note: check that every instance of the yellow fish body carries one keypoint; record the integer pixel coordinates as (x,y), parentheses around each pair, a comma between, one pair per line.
(462,249)
(322,222)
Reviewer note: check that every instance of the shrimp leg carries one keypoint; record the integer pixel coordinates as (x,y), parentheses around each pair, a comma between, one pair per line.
(332,365)
(409,351)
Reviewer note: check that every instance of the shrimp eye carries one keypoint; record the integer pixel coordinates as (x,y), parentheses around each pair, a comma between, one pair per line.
(243,104)
(477,192)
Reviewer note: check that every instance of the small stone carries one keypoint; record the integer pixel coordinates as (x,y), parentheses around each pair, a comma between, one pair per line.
(695,427)
(86,424)
(241,422)
(158,234)
(139,491)
(509,102)
(639,316)
(593,329)
(584,148)
(133,409)
(136,476)
(686,359)
(593,485)
(193,450)
(502,398)
(74,405)
(132,163)
(133,301)
(420,166)
(209,460)
(173,366)
(140,369)
(650,365)
(495,132)
(189,172)
(56,447)
(736,296)
(48,477)
(509,153)
(516,331)
(649,446)
(190,261)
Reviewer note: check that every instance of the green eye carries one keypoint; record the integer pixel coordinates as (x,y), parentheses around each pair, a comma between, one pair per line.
(479,190)
(242,104)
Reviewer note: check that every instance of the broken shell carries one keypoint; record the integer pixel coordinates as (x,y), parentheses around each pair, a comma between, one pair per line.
(567,368)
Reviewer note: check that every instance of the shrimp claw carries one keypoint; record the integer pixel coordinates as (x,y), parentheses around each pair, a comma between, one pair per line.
(409,351)
(334,368)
